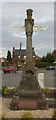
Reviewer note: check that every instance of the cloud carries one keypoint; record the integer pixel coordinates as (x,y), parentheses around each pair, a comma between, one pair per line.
(44,48)
(45,19)
(19,35)
(14,13)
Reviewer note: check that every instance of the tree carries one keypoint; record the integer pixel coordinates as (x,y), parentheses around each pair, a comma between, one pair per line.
(48,58)
(9,56)
(43,59)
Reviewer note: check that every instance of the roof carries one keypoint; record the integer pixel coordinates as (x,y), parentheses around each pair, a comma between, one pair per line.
(54,51)
(54,54)
(22,52)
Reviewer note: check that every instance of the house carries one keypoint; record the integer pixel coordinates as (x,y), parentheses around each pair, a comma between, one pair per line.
(21,54)
(54,54)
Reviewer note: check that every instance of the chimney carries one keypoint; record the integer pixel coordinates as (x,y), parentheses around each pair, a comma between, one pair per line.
(20,45)
(13,48)
(13,51)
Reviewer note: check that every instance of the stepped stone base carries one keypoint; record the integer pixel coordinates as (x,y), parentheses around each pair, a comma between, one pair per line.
(29,96)
(24,103)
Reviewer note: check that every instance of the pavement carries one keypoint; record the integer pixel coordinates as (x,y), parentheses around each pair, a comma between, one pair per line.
(12,80)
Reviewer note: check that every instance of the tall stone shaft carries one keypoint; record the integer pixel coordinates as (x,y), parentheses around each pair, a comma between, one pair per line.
(29,22)
(29,49)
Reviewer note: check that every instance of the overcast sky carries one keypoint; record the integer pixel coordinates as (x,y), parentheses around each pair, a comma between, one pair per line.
(15,13)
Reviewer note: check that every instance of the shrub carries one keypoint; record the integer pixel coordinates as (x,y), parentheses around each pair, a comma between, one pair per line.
(5,90)
(42,64)
(54,116)
(26,116)
(15,89)
(3,118)
(47,92)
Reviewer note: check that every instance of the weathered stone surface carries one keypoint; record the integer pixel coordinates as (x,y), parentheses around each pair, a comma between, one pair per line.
(14,103)
(30,94)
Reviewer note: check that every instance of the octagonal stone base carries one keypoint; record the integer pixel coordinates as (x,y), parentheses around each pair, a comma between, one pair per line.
(28,100)
(29,95)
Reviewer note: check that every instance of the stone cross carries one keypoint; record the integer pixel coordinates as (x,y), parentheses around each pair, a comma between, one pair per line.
(30,96)
(29,23)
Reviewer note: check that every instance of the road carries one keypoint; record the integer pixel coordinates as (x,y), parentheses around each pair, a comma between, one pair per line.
(12,80)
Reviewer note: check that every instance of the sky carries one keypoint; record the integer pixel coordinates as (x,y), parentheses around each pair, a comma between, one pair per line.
(14,13)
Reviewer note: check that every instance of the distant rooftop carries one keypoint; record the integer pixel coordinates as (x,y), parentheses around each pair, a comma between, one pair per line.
(22,52)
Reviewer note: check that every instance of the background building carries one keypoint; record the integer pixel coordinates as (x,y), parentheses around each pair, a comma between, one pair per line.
(21,54)
(54,54)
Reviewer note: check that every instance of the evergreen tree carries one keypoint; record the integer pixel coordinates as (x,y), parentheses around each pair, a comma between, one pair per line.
(9,56)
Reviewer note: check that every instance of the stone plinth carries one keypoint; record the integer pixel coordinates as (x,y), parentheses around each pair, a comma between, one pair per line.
(29,103)
(29,96)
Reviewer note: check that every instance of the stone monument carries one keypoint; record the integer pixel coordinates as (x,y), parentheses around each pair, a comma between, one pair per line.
(29,95)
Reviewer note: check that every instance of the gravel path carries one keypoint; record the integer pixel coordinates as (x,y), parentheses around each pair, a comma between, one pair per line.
(17,114)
